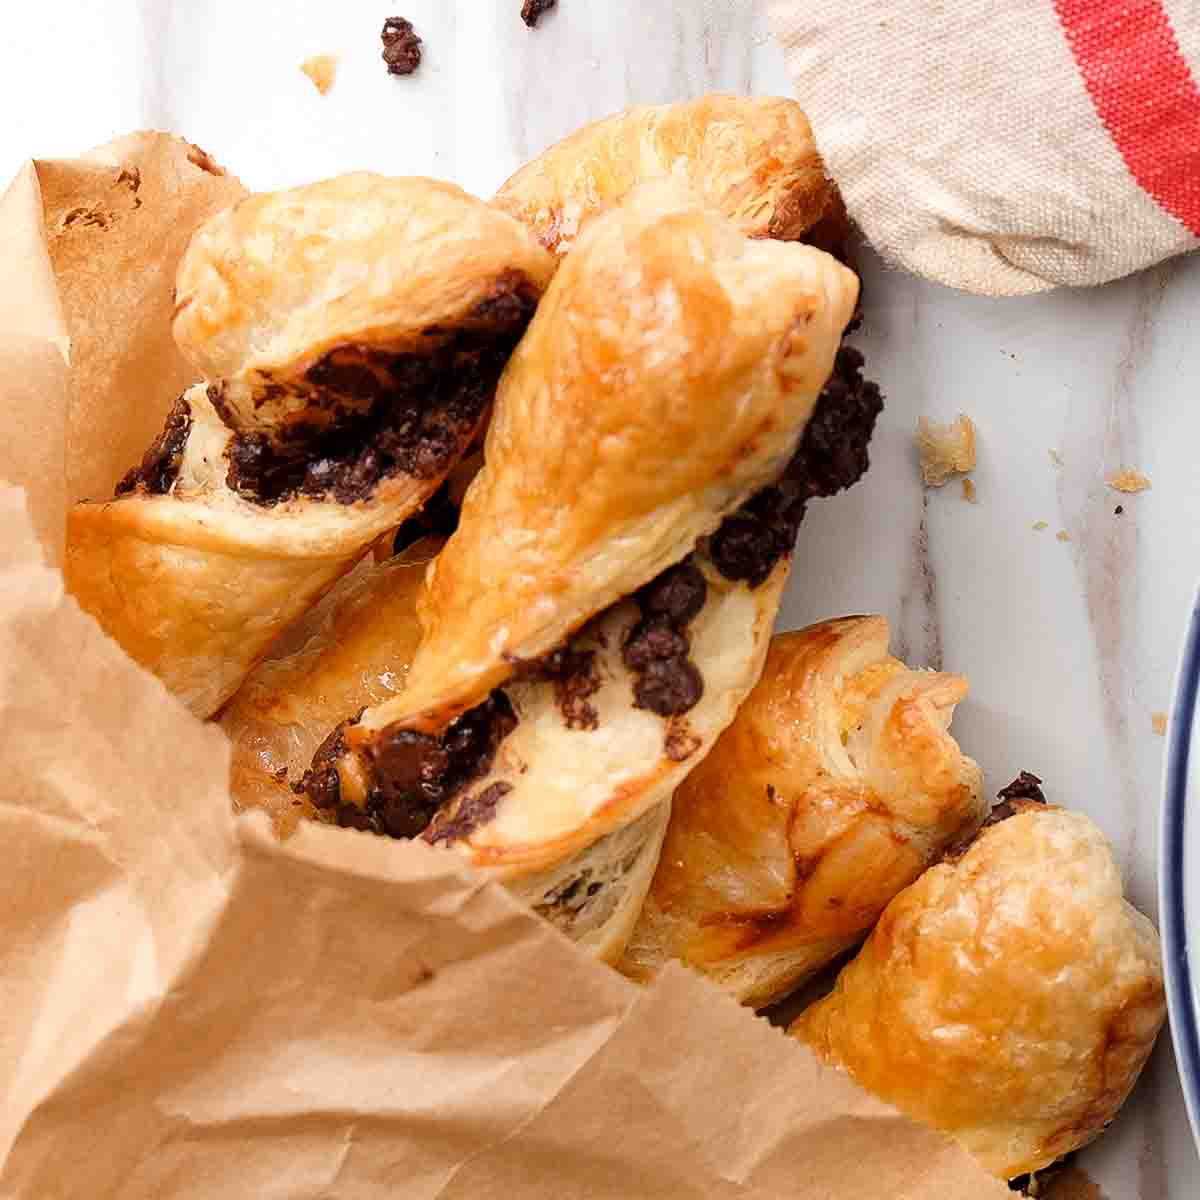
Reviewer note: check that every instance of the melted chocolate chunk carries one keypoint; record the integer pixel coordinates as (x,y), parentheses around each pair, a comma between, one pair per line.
(573,673)
(401,46)
(159,467)
(655,640)
(421,409)
(531,10)
(412,775)
(408,769)
(574,688)
(656,651)
(831,456)
(320,782)
(669,687)
(1024,787)
(677,594)
(472,812)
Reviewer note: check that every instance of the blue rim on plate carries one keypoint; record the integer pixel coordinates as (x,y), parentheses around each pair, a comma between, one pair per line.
(1181,995)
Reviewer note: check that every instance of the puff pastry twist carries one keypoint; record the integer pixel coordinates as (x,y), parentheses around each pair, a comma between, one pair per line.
(353,332)
(836,785)
(579,658)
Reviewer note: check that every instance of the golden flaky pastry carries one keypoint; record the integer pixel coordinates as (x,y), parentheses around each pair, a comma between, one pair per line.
(560,787)
(666,377)
(310,305)
(585,757)
(351,649)
(560,783)
(753,158)
(1009,997)
(221,539)
(834,788)
(607,599)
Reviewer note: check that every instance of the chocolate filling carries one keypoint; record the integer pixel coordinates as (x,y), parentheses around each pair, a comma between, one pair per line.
(421,410)
(413,774)
(1026,787)
(159,467)
(831,456)
(573,673)
(657,649)
(563,905)
(1039,1183)
(570,896)
(472,812)
(681,743)
(401,46)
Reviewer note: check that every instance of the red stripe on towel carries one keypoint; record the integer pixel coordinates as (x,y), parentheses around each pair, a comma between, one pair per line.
(1144,92)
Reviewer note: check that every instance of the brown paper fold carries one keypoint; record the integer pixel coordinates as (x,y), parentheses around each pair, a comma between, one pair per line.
(116,224)
(193,1009)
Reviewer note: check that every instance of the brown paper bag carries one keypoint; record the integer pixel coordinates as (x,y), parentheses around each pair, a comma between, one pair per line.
(193,1009)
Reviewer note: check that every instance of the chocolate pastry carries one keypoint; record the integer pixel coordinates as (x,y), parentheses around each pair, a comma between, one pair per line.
(667,378)
(351,362)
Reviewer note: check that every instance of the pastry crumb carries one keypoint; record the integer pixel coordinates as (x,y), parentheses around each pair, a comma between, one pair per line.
(203,160)
(969,491)
(1040,525)
(1158,722)
(1056,458)
(322,70)
(945,450)
(1129,482)
(1063,535)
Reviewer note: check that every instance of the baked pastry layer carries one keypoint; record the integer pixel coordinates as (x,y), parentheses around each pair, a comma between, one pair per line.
(1009,997)
(836,785)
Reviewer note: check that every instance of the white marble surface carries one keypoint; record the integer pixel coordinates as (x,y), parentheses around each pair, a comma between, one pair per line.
(1070,646)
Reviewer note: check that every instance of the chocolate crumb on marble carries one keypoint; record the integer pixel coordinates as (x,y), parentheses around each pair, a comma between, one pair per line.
(401,46)
(531,10)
